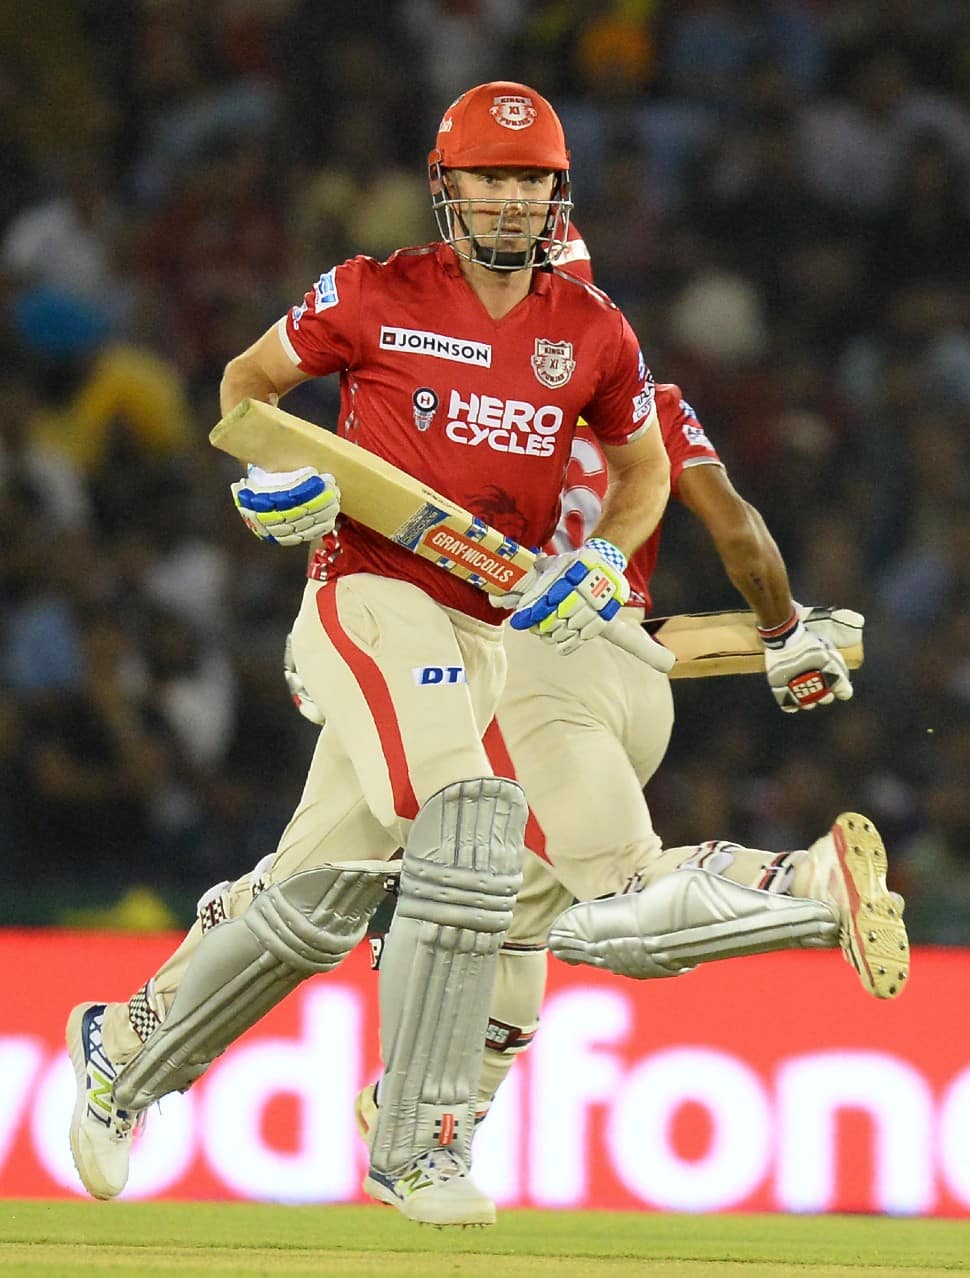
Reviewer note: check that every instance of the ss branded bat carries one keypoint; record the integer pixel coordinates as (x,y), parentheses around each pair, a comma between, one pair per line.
(409,513)
(400,507)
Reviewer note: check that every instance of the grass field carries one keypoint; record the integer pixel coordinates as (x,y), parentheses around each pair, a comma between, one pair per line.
(195,1240)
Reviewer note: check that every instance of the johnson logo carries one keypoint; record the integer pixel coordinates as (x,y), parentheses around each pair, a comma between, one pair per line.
(415,341)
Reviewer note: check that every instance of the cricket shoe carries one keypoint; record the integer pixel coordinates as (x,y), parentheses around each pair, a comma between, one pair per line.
(100,1132)
(434,1188)
(847,868)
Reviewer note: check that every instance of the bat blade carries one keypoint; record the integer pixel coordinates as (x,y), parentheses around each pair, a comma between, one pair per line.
(727,643)
(378,494)
(386,499)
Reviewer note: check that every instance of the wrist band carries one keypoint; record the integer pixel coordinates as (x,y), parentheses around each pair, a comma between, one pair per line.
(613,555)
(778,636)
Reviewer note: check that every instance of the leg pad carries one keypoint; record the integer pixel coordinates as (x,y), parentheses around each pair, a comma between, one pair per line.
(308,923)
(687,918)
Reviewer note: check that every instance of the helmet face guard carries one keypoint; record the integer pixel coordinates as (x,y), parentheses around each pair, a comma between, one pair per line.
(501,125)
(546,224)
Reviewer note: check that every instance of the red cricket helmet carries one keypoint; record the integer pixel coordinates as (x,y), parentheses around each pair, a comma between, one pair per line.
(500,125)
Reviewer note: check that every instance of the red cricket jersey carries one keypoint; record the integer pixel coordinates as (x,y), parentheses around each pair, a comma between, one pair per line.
(686,444)
(482,410)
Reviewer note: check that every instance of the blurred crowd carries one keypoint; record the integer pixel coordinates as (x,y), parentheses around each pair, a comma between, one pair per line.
(777,192)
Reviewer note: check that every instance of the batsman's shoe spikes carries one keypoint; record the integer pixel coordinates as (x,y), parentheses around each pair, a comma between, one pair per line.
(433,1189)
(847,867)
(100,1132)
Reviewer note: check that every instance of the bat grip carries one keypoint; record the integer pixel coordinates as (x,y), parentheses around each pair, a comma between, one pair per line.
(638,642)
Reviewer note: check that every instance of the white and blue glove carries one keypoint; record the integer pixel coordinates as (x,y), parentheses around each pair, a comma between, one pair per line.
(287,508)
(567,599)
(804,667)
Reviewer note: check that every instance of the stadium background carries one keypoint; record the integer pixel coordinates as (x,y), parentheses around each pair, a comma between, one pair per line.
(778,194)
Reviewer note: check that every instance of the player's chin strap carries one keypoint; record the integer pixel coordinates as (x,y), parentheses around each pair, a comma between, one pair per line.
(689,917)
(244,966)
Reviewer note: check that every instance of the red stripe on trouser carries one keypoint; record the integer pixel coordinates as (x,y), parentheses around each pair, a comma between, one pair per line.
(502,766)
(376,693)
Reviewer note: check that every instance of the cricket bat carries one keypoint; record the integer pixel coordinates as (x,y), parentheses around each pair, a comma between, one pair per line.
(408,512)
(727,643)
(390,501)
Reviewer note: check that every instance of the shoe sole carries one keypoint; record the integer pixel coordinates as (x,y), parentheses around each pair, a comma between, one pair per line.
(411,1209)
(75,1046)
(876,943)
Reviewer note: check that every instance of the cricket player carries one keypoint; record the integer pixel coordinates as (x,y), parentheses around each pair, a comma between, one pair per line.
(584,737)
(468,363)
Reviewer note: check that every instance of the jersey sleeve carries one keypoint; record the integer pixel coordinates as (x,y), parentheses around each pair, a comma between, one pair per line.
(321,334)
(622,408)
(684,437)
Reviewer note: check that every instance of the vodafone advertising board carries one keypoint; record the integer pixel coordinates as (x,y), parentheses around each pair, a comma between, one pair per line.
(769,1084)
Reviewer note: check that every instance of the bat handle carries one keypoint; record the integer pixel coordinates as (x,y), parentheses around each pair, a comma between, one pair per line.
(638,642)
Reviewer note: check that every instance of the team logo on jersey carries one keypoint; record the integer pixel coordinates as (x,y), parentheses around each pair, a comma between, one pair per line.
(325,292)
(553,362)
(297,313)
(415,341)
(513,112)
(424,402)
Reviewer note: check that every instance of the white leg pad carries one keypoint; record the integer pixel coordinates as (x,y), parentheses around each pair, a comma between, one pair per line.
(460,875)
(689,917)
(243,967)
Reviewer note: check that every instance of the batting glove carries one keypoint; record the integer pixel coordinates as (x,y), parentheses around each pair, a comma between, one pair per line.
(843,627)
(804,668)
(298,689)
(288,508)
(570,598)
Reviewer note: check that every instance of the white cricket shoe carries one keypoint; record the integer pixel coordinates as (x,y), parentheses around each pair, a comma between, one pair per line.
(434,1188)
(100,1132)
(847,868)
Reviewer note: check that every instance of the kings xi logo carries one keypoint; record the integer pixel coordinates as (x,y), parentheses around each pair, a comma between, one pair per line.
(513,112)
(553,362)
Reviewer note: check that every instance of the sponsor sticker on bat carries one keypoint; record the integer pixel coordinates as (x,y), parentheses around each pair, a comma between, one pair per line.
(465,552)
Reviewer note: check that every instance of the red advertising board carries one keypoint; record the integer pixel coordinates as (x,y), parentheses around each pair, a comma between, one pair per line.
(769,1084)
